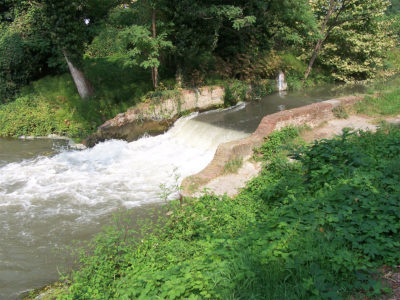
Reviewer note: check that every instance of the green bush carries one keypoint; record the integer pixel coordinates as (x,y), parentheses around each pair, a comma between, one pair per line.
(262,88)
(14,70)
(26,50)
(317,227)
(235,91)
(26,117)
(276,142)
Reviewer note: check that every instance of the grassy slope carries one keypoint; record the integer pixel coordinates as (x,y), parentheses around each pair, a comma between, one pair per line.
(52,105)
(315,228)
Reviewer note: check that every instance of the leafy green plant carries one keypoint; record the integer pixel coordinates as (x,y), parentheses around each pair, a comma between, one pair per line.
(235,91)
(315,227)
(276,141)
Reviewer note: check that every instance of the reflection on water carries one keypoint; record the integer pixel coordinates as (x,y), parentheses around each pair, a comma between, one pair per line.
(248,118)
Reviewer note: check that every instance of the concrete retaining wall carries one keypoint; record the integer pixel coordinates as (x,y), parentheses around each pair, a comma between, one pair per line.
(156,116)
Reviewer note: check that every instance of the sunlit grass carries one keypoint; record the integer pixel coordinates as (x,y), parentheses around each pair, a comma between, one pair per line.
(385,102)
(52,104)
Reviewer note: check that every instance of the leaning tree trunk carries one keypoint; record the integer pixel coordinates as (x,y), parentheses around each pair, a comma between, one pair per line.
(154,70)
(83,85)
(325,33)
(313,58)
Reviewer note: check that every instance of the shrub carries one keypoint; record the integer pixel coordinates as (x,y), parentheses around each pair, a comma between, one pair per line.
(235,91)
(276,141)
(313,228)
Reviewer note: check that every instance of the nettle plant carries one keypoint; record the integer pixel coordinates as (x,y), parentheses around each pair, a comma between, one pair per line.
(318,226)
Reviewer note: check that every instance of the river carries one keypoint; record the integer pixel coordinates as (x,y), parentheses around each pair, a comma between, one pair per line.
(51,195)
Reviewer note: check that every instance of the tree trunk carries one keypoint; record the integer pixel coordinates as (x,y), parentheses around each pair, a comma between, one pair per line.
(313,58)
(325,33)
(179,76)
(83,85)
(154,70)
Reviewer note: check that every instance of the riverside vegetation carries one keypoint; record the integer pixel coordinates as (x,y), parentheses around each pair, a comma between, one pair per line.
(128,52)
(318,225)
(319,222)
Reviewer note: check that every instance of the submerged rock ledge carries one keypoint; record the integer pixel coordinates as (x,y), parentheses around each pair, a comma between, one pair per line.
(312,115)
(156,116)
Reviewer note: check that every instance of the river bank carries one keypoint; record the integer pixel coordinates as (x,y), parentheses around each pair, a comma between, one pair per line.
(310,115)
(255,237)
(230,183)
(84,188)
(324,119)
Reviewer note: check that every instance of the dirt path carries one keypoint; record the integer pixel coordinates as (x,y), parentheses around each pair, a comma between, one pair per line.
(230,184)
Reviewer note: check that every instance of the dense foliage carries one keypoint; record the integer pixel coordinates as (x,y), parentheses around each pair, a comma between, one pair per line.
(179,44)
(194,40)
(316,227)
(358,39)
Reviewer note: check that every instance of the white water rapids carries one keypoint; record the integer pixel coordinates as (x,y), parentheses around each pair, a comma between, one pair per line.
(47,201)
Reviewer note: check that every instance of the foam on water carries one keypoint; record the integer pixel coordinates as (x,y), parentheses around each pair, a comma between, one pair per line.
(112,172)
(49,197)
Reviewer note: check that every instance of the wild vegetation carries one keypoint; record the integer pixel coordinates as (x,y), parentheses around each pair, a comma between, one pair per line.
(319,225)
(118,51)
(319,222)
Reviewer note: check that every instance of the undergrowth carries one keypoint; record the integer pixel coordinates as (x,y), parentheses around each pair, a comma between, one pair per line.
(314,227)
(385,103)
(235,91)
(278,141)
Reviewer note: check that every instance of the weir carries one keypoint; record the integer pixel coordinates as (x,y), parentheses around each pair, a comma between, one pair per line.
(49,200)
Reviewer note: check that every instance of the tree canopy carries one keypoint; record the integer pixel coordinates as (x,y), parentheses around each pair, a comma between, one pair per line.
(196,39)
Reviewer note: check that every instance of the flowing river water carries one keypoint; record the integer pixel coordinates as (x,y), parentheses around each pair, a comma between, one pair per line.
(51,195)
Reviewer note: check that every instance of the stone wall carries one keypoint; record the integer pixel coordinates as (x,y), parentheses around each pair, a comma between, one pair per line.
(311,115)
(156,116)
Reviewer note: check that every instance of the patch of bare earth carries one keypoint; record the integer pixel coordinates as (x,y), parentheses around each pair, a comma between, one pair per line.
(334,127)
(391,278)
(230,184)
